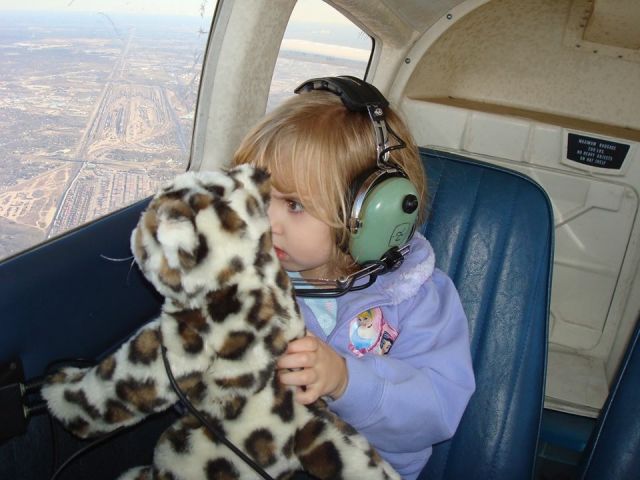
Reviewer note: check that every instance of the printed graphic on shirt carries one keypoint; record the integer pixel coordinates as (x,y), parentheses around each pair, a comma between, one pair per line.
(369,332)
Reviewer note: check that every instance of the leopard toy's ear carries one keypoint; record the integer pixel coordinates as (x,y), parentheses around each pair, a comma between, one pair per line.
(262,181)
(165,243)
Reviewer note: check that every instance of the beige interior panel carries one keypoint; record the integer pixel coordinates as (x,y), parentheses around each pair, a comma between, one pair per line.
(511,53)
(615,23)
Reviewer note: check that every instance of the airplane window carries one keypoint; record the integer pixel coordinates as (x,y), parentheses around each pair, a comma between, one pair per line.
(97,103)
(318,42)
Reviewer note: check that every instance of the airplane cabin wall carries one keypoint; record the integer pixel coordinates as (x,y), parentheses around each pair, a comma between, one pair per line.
(527,85)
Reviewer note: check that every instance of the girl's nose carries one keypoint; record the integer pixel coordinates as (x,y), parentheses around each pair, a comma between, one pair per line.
(272,213)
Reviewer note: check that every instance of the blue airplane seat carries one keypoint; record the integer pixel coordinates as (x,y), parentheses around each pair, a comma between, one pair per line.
(492,231)
(612,451)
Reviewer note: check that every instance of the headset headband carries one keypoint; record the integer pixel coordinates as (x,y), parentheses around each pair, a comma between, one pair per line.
(360,96)
(356,94)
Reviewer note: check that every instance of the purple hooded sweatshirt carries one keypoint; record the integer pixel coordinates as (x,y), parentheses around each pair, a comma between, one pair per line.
(406,343)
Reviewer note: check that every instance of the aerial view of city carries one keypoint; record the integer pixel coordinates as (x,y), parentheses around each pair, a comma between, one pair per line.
(96,111)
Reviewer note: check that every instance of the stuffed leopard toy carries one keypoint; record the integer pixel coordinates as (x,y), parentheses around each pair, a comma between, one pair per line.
(229,312)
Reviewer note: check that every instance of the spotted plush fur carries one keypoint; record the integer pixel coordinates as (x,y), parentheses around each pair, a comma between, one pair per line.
(204,242)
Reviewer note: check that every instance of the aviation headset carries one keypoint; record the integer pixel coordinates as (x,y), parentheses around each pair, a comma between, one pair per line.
(384,202)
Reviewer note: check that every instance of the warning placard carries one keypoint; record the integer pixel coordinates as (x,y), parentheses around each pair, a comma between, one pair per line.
(596,152)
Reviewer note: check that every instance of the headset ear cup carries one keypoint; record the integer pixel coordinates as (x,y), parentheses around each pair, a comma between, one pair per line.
(386,217)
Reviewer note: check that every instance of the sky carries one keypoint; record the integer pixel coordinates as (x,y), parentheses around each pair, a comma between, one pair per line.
(306,10)
(165,7)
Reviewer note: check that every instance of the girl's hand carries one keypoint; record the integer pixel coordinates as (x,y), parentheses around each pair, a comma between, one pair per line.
(318,369)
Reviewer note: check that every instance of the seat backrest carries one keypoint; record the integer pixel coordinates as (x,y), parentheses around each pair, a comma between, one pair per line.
(492,231)
(68,299)
(74,280)
(612,451)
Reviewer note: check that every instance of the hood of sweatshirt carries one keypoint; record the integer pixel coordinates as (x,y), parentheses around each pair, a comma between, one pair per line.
(417,268)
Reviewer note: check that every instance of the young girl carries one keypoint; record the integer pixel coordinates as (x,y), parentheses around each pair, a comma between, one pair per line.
(393,359)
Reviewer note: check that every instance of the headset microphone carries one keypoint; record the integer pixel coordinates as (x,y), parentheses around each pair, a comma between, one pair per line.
(384,202)
(320,288)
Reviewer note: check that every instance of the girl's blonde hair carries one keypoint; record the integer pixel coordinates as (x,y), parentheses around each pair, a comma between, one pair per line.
(315,148)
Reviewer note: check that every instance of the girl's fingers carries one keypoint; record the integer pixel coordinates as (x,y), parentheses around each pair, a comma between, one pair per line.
(304,344)
(297,360)
(298,378)
(314,368)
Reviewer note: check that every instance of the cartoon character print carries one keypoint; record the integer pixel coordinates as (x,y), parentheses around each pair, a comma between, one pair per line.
(369,332)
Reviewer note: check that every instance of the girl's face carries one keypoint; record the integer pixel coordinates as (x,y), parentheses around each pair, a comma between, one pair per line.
(302,242)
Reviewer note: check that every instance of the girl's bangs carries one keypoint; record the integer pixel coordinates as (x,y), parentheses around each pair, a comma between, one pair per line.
(297,170)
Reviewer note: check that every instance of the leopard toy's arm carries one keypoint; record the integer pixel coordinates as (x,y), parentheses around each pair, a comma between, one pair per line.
(121,390)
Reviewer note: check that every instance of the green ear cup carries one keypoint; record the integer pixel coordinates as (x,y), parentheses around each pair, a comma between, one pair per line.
(387,219)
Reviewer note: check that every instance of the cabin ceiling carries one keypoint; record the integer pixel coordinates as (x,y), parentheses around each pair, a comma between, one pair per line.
(420,14)
(608,22)
(396,22)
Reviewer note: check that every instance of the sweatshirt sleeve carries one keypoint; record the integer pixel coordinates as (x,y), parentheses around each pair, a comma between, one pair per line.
(415,396)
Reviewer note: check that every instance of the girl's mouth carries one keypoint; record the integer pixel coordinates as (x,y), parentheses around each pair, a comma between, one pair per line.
(281,254)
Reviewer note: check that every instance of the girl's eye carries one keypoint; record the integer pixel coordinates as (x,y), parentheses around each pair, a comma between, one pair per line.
(295,206)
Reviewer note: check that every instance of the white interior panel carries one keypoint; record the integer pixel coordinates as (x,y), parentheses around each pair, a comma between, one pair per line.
(578,384)
(595,217)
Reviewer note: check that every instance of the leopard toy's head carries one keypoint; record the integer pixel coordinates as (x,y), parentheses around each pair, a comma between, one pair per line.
(202,230)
